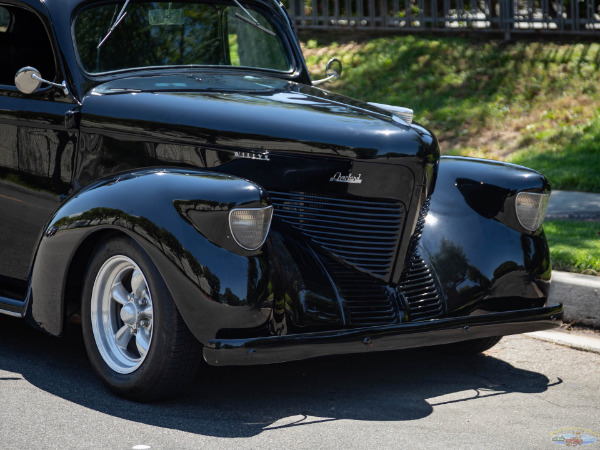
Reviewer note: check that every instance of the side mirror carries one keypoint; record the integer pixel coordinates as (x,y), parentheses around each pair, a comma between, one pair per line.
(333,71)
(29,79)
(333,68)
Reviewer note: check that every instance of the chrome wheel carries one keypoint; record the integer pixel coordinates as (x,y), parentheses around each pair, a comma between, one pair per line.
(122,314)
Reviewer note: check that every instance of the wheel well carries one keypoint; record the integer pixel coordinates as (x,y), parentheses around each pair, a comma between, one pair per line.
(78,268)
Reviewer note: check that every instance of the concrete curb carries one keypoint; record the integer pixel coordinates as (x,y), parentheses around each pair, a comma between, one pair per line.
(588,343)
(580,295)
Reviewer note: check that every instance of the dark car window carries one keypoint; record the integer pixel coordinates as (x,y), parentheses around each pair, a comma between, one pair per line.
(23,42)
(152,34)
(4,19)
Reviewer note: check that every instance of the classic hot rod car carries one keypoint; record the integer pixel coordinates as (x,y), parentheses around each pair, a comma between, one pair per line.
(170,172)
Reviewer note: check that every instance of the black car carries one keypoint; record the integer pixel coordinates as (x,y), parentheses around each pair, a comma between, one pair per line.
(169,172)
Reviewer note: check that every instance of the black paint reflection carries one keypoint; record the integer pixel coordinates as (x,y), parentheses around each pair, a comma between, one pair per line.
(460,280)
(487,199)
(159,236)
(36,167)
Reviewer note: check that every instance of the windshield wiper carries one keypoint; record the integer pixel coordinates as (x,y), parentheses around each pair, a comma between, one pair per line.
(117,21)
(252,21)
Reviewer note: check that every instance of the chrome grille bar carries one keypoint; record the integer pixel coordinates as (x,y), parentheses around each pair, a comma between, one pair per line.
(362,233)
(420,290)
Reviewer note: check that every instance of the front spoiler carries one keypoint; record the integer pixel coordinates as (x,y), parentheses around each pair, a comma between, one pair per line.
(275,349)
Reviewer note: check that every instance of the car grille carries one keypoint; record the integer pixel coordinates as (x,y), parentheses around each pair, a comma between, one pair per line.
(416,237)
(420,290)
(367,302)
(364,234)
(361,233)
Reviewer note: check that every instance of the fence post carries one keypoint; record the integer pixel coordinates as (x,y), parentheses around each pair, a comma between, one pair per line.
(508,15)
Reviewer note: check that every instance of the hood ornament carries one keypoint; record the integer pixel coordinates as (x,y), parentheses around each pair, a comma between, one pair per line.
(350,179)
(398,112)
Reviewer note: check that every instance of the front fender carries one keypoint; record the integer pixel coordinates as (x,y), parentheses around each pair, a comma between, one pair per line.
(482,258)
(201,264)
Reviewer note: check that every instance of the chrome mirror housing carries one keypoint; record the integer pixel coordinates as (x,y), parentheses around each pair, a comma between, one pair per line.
(28,80)
(333,71)
(333,68)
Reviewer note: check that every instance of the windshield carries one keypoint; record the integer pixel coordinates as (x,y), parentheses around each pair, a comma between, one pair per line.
(126,35)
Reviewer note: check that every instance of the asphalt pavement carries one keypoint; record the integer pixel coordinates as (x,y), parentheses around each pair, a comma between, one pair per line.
(574,205)
(522,393)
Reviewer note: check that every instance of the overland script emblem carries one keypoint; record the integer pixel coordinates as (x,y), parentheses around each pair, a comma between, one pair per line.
(339,178)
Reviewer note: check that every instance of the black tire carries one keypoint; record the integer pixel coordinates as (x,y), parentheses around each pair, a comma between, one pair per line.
(470,347)
(156,356)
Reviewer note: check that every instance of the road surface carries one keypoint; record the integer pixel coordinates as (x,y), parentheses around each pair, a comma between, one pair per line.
(518,395)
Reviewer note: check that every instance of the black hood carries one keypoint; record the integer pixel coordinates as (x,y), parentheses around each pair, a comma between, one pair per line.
(252,113)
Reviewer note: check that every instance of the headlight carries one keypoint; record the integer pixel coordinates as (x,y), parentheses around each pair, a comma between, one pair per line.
(249,227)
(531,209)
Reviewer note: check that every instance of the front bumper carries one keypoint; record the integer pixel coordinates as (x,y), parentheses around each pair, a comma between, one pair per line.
(275,349)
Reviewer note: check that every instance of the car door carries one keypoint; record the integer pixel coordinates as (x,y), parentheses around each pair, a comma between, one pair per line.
(36,147)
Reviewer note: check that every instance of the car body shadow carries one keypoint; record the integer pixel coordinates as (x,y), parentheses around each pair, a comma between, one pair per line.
(245,401)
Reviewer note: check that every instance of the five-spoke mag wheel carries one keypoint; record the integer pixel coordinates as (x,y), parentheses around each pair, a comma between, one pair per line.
(122,314)
(135,337)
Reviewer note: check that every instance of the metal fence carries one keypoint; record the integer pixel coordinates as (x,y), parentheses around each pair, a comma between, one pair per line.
(561,17)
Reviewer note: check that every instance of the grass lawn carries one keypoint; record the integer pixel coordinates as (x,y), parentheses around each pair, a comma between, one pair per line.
(570,158)
(574,246)
(531,103)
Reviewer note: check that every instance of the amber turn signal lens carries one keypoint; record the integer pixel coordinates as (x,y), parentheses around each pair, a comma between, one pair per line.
(531,209)
(250,226)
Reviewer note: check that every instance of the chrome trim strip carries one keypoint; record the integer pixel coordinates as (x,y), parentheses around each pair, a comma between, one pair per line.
(11,313)
(6,302)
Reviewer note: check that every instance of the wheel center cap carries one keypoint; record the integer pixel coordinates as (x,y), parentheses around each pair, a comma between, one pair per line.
(129,314)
